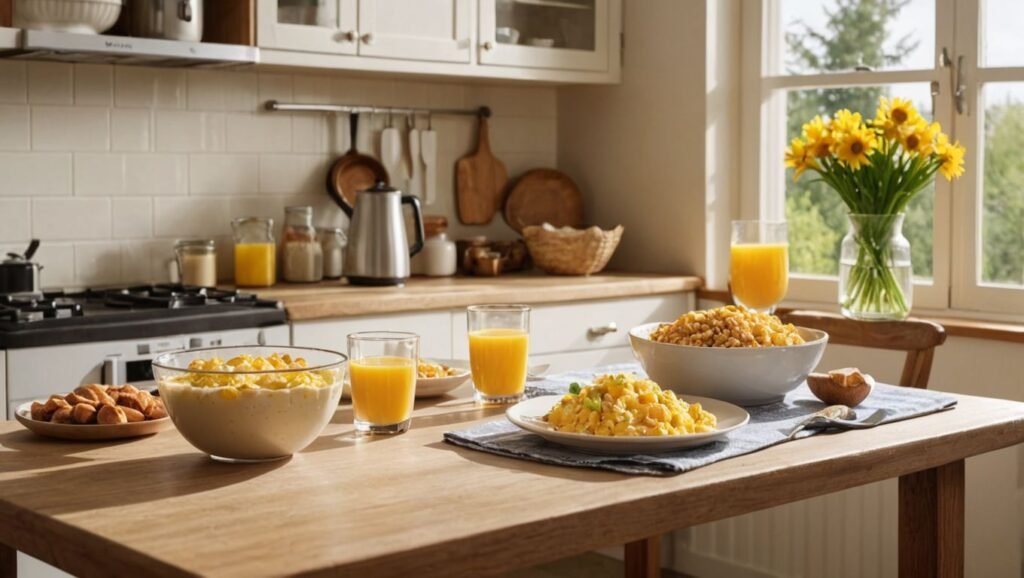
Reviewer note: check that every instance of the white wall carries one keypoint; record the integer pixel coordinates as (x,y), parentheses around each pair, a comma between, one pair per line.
(109,165)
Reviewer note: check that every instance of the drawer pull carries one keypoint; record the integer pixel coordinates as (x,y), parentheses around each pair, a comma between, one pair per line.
(600,330)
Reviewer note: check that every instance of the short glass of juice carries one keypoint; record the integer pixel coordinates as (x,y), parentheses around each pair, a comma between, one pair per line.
(759,264)
(382,375)
(499,342)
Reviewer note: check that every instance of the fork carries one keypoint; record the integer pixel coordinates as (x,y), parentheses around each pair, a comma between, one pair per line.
(837,416)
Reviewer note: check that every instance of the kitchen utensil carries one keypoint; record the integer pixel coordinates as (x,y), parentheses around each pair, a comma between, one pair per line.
(353,172)
(480,181)
(837,416)
(378,251)
(741,375)
(415,163)
(536,372)
(428,149)
(18,274)
(77,16)
(544,196)
(75,431)
(391,149)
(529,415)
(169,19)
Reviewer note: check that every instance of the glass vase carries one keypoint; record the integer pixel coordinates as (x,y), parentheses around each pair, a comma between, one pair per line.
(876,282)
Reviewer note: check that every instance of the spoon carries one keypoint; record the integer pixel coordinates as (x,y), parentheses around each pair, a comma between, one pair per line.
(838,416)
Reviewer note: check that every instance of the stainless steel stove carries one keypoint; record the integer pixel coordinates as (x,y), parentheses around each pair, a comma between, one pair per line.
(54,341)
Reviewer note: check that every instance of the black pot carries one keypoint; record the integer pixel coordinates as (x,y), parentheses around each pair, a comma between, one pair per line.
(18,274)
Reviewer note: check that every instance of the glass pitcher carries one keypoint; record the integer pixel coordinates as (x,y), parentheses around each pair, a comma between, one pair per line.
(255,252)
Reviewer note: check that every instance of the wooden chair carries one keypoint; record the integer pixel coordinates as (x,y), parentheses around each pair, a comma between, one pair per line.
(917,337)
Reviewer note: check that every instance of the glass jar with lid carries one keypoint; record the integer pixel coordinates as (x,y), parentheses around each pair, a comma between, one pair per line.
(301,254)
(255,252)
(197,262)
(438,257)
(332,244)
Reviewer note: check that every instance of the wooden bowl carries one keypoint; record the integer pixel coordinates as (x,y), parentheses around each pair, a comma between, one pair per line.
(832,393)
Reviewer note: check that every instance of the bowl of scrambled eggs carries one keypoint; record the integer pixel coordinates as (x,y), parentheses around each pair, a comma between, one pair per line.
(250,404)
(728,353)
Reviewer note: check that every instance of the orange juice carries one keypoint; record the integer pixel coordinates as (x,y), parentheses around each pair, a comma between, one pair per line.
(383,389)
(255,264)
(497,358)
(759,273)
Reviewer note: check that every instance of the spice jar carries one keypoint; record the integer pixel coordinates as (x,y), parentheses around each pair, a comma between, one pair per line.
(255,261)
(438,257)
(197,262)
(301,255)
(332,244)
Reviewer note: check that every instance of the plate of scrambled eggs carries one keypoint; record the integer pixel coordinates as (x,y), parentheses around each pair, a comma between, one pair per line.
(625,414)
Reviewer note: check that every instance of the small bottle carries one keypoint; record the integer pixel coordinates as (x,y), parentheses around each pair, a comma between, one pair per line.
(438,258)
(301,255)
(197,262)
(332,244)
(255,263)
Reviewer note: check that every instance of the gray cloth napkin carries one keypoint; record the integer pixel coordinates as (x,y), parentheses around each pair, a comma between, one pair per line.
(768,426)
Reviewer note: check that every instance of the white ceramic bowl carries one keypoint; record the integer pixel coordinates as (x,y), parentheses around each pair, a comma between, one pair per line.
(79,16)
(744,376)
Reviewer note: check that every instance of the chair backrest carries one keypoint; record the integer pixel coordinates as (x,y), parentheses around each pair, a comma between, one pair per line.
(917,337)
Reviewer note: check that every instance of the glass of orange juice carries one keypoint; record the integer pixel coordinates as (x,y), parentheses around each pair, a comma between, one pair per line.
(759,264)
(382,375)
(499,341)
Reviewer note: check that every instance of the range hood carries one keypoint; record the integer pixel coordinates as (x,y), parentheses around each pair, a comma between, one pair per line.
(102,49)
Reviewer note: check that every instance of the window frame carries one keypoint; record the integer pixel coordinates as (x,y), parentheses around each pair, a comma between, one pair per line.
(955,285)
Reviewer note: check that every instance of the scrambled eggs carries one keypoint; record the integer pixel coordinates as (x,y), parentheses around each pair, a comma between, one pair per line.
(626,405)
(280,372)
(429,369)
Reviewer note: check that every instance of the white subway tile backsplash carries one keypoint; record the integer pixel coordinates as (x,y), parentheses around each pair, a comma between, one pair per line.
(130,129)
(99,174)
(132,218)
(312,89)
(50,83)
(156,174)
(94,84)
(205,90)
(68,128)
(146,262)
(97,263)
(275,87)
(35,174)
(14,87)
(14,127)
(309,133)
(137,86)
(241,91)
(251,132)
(292,174)
(15,220)
(223,174)
(177,217)
(188,131)
(71,219)
(58,261)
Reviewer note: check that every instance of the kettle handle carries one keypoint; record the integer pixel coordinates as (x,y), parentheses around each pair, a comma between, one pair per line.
(418,221)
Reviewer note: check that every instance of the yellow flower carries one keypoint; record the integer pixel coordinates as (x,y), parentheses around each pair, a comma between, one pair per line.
(819,137)
(952,157)
(798,157)
(919,138)
(853,146)
(846,121)
(893,115)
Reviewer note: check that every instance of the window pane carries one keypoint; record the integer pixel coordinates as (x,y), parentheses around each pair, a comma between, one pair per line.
(839,35)
(1002,42)
(1002,226)
(816,214)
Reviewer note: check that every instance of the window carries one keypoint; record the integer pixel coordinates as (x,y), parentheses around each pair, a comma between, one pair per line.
(817,56)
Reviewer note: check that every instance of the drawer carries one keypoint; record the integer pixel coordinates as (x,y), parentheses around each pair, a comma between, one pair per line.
(433,327)
(576,360)
(581,326)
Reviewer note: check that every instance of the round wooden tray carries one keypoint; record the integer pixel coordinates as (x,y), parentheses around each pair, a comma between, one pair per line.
(544,196)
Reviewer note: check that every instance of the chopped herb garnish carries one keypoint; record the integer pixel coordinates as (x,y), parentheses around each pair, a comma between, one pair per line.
(574,388)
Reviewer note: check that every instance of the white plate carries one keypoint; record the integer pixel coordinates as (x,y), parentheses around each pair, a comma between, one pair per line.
(437,386)
(528,415)
(94,431)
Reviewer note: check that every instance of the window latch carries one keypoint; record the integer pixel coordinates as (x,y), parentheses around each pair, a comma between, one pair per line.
(956,73)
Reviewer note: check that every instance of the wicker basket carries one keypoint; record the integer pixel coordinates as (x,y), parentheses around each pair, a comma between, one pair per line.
(569,251)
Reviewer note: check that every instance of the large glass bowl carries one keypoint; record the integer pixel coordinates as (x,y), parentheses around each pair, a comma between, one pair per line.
(276,413)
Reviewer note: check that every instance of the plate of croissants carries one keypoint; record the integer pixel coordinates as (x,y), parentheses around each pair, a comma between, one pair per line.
(96,412)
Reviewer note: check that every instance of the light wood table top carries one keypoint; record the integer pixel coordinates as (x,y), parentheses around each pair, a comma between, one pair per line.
(413,505)
(335,299)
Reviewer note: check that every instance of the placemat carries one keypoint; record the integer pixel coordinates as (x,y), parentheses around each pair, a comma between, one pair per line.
(768,426)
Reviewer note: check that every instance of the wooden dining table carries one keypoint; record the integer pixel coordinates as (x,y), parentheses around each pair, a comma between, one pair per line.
(413,505)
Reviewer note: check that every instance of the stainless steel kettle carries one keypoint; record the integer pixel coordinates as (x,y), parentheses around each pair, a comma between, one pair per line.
(170,19)
(378,250)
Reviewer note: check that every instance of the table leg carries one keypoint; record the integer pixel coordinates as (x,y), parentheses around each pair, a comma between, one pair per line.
(931,534)
(643,558)
(8,562)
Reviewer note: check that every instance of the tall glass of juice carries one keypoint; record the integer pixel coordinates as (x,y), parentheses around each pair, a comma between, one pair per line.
(499,341)
(382,374)
(759,264)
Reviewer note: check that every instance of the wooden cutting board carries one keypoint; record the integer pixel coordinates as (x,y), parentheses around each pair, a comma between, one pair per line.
(480,180)
(544,196)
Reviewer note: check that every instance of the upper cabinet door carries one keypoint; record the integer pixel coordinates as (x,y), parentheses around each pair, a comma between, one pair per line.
(557,34)
(323,26)
(437,30)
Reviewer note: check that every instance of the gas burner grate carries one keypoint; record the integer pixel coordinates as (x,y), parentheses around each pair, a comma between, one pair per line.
(23,310)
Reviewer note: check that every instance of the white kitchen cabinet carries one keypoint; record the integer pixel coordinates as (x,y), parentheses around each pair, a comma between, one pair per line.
(321,26)
(556,34)
(433,327)
(436,30)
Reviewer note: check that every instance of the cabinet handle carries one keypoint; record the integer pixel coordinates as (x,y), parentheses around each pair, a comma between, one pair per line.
(367,38)
(350,36)
(488,46)
(599,330)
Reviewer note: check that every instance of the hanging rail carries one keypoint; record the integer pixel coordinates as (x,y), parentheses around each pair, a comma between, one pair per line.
(483,111)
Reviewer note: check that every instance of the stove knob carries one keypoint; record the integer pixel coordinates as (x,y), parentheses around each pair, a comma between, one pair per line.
(195,342)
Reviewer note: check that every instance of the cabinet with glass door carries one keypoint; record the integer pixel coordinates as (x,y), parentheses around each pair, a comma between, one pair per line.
(321,26)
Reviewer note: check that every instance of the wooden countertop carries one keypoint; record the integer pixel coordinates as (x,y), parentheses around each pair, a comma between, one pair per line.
(413,505)
(334,299)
